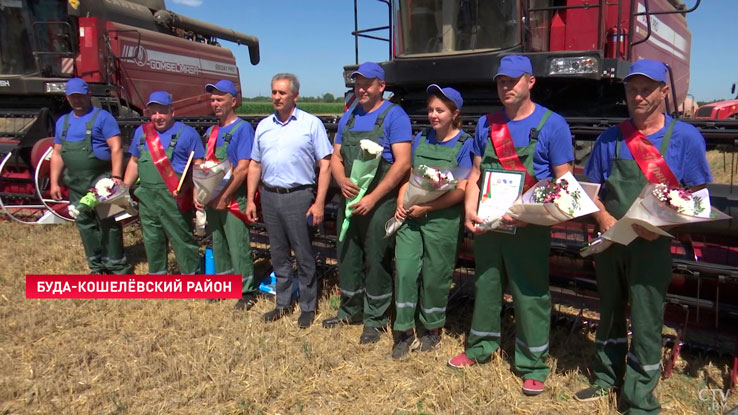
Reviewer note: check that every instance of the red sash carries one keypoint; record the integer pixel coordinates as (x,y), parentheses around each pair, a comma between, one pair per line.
(210,155)
(212,140)
(648,158)
(162,164)
(502,141)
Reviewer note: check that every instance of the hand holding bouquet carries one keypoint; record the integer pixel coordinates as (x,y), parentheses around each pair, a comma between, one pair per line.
(658,206)
(550,202)
(426,185)
(363,171)
(210,179)
(106,192)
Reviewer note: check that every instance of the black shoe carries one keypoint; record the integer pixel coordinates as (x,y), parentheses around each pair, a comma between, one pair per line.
(370,335)
(306,319)
(246,302)
(430,340)
(335,321)
(404,344)
(592,393)
(275,314)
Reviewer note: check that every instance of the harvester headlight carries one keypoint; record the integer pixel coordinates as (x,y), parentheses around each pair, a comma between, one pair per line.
(55,87)
(574,65)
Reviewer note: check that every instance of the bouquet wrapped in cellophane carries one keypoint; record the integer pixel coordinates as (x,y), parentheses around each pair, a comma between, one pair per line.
(426,184)
(107,198)
(363,171)
(549,202)
(659,205)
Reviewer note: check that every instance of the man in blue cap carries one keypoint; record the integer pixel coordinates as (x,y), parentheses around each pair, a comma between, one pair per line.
(231,138)
(159,153)
(650,147)
(365,255)
(531,139)
(287,146)
(87,142)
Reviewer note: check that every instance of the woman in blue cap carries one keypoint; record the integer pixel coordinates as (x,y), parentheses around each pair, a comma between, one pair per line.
(427,243)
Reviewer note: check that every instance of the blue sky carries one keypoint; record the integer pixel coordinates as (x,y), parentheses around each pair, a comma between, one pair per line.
(312,38)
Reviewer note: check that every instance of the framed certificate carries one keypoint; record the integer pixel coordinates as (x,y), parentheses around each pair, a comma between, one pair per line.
(500,189)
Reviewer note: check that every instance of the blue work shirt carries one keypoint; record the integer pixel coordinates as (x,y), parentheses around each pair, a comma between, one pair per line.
(685,155)
(396,127)
(104,128)
(187,141)
(463,158)
(554,146)
(288,151)
(241,142)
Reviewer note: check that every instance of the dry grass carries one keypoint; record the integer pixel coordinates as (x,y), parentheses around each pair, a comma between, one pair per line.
(195,357)
(721,164)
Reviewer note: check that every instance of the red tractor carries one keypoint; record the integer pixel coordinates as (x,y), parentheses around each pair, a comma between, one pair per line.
(720,110)
(124,49)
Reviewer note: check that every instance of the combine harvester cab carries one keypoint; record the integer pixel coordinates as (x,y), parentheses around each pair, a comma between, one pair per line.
(580,52)
(124,50)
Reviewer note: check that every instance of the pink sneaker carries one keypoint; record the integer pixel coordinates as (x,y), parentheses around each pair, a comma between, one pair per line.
(532,387)
(461,360)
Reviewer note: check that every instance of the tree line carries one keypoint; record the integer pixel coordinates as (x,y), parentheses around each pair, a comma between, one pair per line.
(327,97)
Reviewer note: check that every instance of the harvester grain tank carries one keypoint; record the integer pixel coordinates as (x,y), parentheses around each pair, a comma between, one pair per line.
(124,49)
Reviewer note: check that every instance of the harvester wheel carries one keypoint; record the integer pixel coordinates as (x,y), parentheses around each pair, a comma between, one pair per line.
(41,163)
(18,200)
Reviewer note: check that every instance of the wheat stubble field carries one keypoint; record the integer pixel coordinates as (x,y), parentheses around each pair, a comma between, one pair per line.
(198,357)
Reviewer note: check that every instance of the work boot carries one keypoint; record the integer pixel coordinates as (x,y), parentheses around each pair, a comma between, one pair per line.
(336,321)
(405,342)
(275,314)
(246,302)
(592,393)
(370,335)
(430,340)
(306,319)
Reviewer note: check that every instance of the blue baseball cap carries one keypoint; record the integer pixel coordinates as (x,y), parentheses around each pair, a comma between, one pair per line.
(448,92)
(160,97)
(223,85)
(652,69)
(369,70)
(77,86)
(514,66)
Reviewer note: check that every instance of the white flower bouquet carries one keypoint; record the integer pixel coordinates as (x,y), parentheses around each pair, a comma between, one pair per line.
(658,206)
(107,198)
(363,171)
(426,184)
(210,179)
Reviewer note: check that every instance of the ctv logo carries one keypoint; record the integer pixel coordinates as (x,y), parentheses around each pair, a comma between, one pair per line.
(717,400)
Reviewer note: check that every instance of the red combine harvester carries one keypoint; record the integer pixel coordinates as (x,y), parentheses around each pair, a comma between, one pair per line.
(124,49)
(580,50)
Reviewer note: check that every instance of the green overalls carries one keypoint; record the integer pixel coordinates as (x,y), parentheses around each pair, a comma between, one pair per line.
(641,273)
(102,238)
(231,241)
(427,247)
(161,220)
(366,293)
(519,260)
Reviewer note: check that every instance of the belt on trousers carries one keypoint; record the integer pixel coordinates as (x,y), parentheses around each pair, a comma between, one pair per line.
(284,190)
